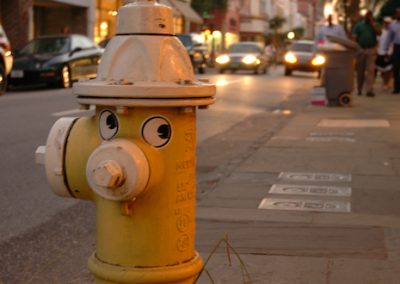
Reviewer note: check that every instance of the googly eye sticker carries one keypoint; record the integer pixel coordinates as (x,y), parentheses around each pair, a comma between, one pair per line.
(108,124)
(157,131)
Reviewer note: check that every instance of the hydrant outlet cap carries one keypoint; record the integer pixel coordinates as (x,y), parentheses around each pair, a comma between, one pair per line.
(145,17)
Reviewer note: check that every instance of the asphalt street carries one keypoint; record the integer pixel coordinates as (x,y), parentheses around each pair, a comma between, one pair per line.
(34,221)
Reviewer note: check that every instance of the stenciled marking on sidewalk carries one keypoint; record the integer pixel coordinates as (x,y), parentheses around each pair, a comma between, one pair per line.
(331,139)
(355,123)
(294,189)
(305,205)
(331,134)
(328,177)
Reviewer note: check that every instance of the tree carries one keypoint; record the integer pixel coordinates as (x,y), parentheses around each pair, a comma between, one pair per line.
(389,8)
(206,7)
(276,24)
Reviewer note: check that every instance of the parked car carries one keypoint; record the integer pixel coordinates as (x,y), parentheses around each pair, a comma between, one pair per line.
(302,56)
(104,42)
(243,56)
(198,52)
(56,61)
(6,60)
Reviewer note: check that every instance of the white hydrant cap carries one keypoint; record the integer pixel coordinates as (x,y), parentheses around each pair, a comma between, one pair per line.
(145,17)
(145,65)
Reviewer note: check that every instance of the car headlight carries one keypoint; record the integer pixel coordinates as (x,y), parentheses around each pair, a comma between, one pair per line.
(318,60)
(290,57)
(222,59)
(249,59)
(197,55)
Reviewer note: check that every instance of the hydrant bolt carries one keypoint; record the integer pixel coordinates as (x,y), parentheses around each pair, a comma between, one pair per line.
(108,174)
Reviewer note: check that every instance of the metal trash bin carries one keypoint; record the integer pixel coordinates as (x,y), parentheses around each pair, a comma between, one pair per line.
(338,77)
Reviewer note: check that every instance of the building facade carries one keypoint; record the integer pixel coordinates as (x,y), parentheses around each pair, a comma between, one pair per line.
(25,19)
(253,20)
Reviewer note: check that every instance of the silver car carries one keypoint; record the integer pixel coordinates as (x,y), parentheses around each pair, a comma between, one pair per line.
(243,56)
(301,56)
(6,60)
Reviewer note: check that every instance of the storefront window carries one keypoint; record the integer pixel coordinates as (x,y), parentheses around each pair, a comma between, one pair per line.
(178,25)
(106,18)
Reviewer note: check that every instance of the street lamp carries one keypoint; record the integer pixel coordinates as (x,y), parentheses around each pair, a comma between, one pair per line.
(291,35)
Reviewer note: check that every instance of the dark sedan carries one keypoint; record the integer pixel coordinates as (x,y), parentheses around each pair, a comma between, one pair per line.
(55,61)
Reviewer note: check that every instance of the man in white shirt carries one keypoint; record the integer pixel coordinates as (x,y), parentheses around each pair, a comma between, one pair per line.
(329,29)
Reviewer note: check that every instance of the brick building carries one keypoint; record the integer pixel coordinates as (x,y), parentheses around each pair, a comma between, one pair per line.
(26,19)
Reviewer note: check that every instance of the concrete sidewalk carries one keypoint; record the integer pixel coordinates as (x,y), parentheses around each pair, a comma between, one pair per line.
(331,179)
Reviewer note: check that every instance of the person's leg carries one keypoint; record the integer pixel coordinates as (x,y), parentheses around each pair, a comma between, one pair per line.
(360,67)
(370,70)
(396,69)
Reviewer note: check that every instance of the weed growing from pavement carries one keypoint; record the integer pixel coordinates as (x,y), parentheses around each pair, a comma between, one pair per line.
(243,269)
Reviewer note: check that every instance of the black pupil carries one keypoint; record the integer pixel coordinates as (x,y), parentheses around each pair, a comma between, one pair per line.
(164,131)
(111,121)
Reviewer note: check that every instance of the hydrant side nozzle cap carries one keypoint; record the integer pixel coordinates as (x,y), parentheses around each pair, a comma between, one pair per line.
(145,17)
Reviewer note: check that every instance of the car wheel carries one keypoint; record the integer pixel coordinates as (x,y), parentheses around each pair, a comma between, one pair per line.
(3,79)
(65,77)
(201,70)
(288,72)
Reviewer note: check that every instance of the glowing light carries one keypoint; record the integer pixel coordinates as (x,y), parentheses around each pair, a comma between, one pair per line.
(221,82)
(328,9)
(222,59)
(318,60)
(207,32)
(7,53)
(113,13)
(249,59)
(291,35)
(290,57)
(217,34)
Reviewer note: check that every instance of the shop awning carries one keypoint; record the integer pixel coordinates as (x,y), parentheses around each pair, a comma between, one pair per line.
(184,9)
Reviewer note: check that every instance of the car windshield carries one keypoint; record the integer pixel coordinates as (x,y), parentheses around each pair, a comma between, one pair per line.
(186,40)
(302,47)
(243,48)
(47,45)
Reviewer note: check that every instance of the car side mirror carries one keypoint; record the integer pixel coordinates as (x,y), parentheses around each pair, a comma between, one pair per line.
(76,49)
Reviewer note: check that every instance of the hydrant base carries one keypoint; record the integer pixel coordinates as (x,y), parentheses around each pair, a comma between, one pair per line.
(184,273)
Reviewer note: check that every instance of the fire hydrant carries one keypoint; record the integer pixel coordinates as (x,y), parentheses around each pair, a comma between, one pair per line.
(135,158)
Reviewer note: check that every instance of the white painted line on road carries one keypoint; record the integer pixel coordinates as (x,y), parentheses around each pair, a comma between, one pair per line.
(305,205)
(325,177)
(355,123)
(73,111)
(294,189)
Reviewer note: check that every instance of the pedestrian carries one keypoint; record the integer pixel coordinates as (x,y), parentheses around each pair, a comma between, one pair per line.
(383,62)
(365,33)
(329,29)
(394,39)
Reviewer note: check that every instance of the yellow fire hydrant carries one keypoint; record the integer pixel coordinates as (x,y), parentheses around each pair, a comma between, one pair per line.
(136,156)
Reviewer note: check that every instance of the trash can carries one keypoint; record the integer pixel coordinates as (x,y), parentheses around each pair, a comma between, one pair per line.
(338,77)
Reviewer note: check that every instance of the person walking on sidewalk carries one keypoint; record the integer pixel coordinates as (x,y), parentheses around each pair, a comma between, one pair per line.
(383,62)
(394,38)
(329,29)
(365,33)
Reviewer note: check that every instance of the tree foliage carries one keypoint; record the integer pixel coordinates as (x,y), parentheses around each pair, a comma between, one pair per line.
(389,8)
(276,23)
(206,7)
